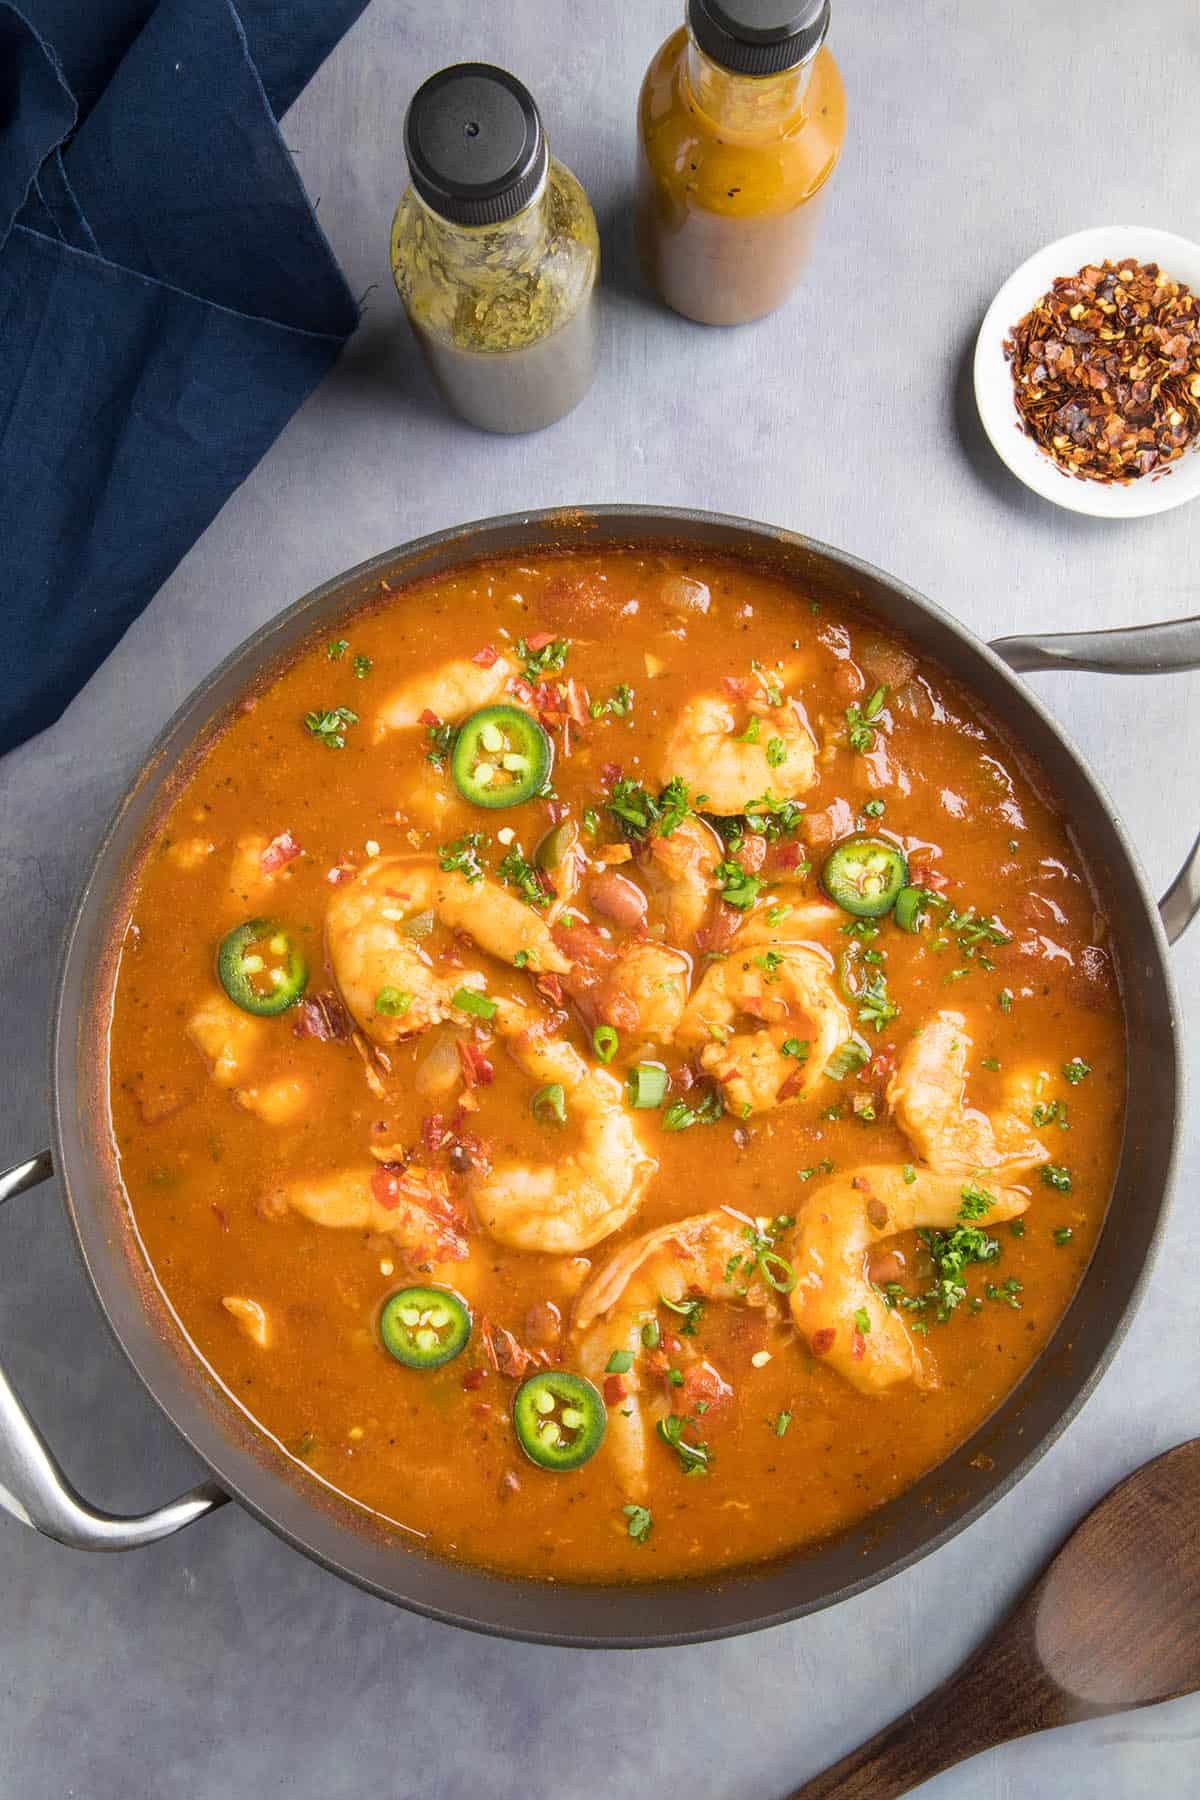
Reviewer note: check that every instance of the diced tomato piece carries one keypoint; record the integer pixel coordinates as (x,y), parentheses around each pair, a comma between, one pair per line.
(614,1390)
(821,1342)
(474,1379)
(858,1346)
(279,852)
(385,1187)
(539,640)
(520,690)
(432,1133)
(487,658)
(428,717)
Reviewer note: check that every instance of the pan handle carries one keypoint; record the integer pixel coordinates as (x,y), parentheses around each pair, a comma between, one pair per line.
(1167,648)
(32,1486)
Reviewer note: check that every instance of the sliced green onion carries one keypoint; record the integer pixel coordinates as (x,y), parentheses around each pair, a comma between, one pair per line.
(605,1042)
(846,1059)
(646,1085)
(549,1104)
(392,1003)
(909,911)
(619,1363)
(651,1334)
(777,1270)
(478,1005)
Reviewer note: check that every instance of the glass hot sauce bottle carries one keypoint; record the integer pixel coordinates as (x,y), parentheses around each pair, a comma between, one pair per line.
(741,121)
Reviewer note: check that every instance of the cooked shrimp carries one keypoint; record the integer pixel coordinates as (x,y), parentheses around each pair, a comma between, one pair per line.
(926,1094)
(702,1256)
(592,1184)
(452,692)
(645,991)
(679,872)
(708,748)
(841,1222)
(410,1206)
(226,1036)
(370,927)
(787,989)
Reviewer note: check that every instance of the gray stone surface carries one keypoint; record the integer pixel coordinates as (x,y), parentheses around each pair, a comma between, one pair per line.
(221,1663)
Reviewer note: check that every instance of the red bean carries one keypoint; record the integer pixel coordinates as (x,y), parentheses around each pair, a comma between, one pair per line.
(618,899)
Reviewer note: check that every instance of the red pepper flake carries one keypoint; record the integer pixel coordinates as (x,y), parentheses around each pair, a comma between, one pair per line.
(578,701)
(477,1071)
(279,852)
(550,988)
(821,1342)
(858,1346)
(322,1016)
(614,1390)
(610,774)
(339,873)
(877,1212)
(433,1133)
(505,1354)
(222,1221)
(557,811)
(1106,371)
(487,658)
(428,717)
(740,687)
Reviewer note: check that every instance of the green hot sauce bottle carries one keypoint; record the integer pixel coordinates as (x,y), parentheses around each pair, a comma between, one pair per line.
(495,253)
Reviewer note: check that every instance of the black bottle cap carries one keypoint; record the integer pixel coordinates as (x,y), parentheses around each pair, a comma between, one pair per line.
(759,37)
(474,142)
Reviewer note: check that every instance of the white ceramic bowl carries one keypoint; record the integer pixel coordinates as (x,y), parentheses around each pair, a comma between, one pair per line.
(993,377)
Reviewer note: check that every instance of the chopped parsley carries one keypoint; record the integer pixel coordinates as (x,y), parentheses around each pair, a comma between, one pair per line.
(873,809)
(330,725)
(1005,1292)
(860,731)
(591,821)
(777,914)
(640,1522)
(693,1458)
(797,1047)
(442,739)
(336,648)
(619,705)
(1005,998)
(738,887)
(862,1321)
(751,733)
(515,871)
(824,1167)
(976,1201)
(874,1005)
(362,667)
(1063,1235)
(781,1423)
(1056,1176)
(849,1057)
(639,813)
(910,1174)
(1076,1069)
(462,856)
(689,1309)
(680,1116)
(776,752)
(775,819)
(546,661)
(1055,1113)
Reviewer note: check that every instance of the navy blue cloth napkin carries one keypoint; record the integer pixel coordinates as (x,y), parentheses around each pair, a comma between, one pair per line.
(167,300)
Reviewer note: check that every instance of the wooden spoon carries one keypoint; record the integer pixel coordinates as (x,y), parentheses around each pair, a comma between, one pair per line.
(1113,1623)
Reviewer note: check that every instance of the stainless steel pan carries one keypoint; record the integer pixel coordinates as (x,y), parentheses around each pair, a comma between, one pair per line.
(246,1467)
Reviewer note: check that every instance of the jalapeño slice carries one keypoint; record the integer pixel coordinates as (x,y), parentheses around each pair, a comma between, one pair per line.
(863,876)
(559,1419)
(424,1327)
(501,756)
(262,968)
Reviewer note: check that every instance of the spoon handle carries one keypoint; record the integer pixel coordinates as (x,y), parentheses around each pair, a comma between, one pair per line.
(1000,1694)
